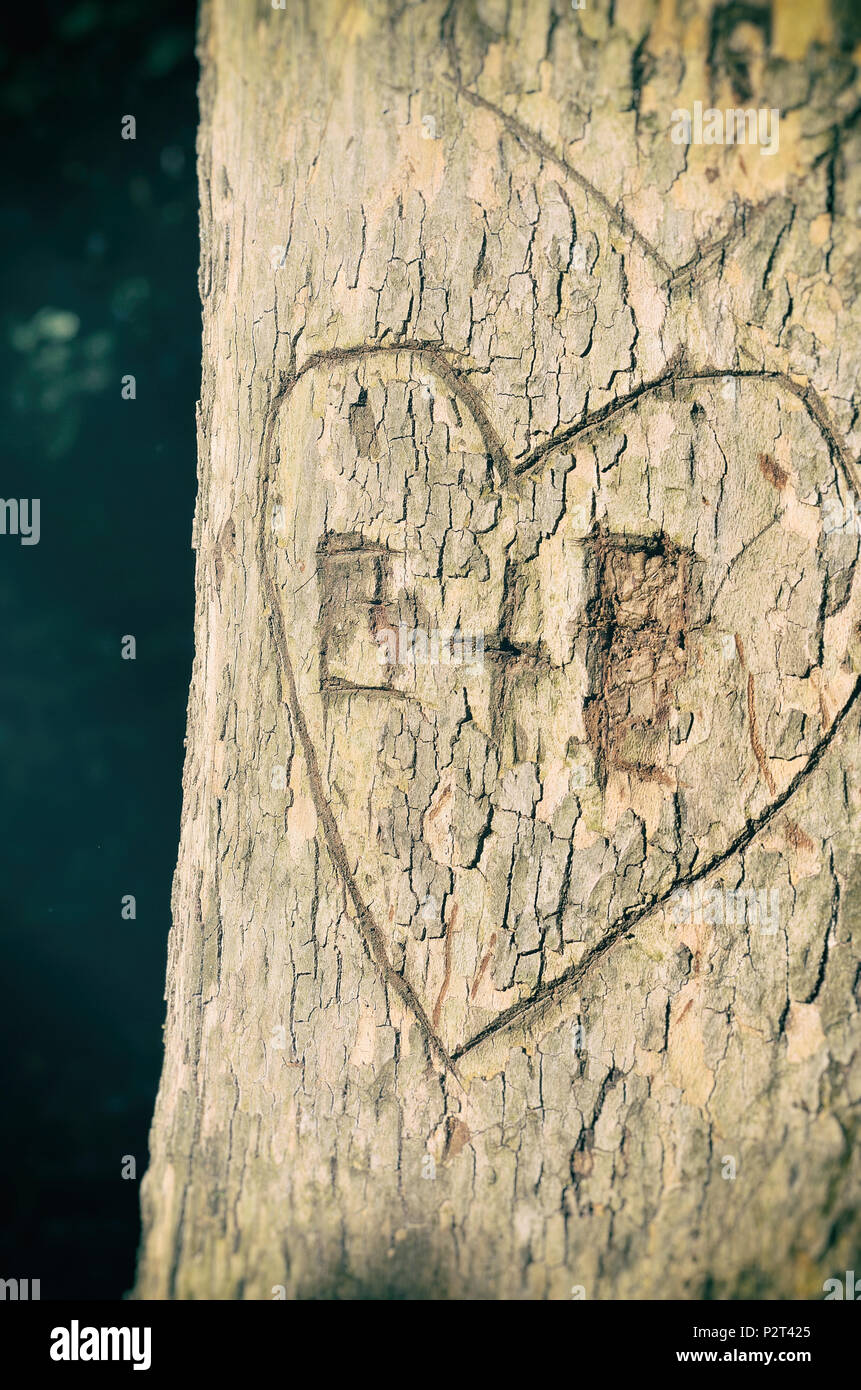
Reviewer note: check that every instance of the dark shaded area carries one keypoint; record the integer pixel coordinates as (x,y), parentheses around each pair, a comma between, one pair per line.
(99,272)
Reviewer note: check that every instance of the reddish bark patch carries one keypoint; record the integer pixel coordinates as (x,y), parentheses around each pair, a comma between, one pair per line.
(755,740)
(485,961)
(771,469)
(796,837)
(457,1138)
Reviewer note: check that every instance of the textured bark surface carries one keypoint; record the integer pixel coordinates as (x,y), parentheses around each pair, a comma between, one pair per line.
(486,351)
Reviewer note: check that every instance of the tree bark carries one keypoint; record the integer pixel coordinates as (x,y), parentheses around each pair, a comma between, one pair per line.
(519,963)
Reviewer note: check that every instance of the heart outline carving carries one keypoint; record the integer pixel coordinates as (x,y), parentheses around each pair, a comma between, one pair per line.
(436,359)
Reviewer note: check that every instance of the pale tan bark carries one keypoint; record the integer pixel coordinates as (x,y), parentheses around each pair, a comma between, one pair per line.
(484,349)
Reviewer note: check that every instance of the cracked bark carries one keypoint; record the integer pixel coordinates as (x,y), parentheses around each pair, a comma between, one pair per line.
(485,352)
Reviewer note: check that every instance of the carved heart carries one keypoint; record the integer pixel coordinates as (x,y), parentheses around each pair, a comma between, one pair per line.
(491,865)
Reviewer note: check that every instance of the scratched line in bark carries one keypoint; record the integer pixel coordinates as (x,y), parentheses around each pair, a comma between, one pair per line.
(673,275)
(535,142)
(437,359)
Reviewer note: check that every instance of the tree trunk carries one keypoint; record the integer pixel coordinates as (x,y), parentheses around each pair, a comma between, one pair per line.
(516,915)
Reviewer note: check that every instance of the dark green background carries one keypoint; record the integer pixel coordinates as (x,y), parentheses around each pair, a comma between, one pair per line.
(99,271)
